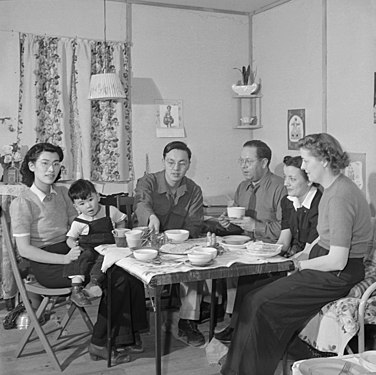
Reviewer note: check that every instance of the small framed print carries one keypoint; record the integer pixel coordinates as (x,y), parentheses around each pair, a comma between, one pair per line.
(295,127)
(356,170)
(169,118)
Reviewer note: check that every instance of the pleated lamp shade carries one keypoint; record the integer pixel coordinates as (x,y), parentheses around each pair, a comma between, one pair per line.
(106,86)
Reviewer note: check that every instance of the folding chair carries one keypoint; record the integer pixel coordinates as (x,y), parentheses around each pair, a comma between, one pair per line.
(49,299)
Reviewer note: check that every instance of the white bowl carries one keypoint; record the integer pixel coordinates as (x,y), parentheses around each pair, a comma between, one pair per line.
(245,90)
(205,250)
(199,258)
(145,254)
(177,235)
(236,239)
(236,212)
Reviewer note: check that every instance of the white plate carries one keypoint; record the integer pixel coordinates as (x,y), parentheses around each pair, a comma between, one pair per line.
(235,240)
(177,248)
(262,254)
(234,247)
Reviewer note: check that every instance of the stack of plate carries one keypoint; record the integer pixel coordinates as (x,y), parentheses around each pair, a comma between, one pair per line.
(263,250)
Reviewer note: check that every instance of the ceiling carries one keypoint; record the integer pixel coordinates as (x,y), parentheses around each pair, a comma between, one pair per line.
(233,6)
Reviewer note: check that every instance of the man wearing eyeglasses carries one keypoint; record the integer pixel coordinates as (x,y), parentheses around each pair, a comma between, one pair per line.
(260,193)
(169,200)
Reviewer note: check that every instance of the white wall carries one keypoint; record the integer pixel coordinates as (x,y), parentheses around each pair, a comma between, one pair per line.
(190,56)
(288,54)
(351,68)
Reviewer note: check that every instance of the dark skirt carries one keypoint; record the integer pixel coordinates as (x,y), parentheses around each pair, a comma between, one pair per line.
(269,316)
(56,275)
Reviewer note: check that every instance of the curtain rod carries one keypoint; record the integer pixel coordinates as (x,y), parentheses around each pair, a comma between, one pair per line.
(65,36)
(184,7)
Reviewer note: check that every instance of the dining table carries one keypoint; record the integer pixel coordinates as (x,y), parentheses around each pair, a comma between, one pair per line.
(172,266)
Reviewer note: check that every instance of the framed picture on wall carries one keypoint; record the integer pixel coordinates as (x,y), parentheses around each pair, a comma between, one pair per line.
(295,127)
(356,171)
(169,118)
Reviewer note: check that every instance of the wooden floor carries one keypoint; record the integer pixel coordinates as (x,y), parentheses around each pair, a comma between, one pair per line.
(177,358)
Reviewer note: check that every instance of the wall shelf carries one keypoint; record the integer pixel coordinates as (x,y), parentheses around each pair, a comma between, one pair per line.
(249,111)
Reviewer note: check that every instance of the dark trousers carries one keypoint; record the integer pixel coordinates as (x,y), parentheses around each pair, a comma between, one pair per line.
(128,310)
(269,316)
(247,284)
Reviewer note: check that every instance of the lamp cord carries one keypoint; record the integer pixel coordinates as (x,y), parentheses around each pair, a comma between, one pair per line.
(105,39)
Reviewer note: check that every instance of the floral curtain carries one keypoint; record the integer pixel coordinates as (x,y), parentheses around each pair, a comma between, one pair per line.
(54,105)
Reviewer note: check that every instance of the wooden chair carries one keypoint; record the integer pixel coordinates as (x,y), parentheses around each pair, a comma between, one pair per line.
(49,301)
(123,202)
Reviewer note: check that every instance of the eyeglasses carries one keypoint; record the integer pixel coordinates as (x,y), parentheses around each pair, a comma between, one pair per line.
(181,164)
(247,162)
(47,164)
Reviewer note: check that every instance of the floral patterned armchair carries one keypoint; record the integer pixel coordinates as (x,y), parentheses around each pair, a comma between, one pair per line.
(333,327)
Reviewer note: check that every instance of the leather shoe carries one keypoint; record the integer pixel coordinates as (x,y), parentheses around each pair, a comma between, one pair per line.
(137,347)
(100,352)
(225,336)
(78,297)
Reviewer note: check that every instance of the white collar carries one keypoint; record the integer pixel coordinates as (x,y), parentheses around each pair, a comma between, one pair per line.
(40,194)
(307,200)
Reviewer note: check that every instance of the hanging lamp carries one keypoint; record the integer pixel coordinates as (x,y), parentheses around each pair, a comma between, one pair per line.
(106,86)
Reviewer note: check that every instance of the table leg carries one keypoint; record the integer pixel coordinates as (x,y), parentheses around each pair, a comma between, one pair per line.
(109,343)
(157,320)
(213,306)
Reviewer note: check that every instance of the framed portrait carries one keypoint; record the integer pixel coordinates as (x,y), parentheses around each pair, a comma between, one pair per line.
(356,171)
(295,127)
(169,118)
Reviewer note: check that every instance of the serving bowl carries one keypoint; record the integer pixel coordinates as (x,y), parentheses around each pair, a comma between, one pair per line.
(199,258)
(245,90)
(145,254)
(177,235)
(236,212)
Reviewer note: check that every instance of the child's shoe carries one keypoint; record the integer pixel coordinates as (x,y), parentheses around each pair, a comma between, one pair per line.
(93,290)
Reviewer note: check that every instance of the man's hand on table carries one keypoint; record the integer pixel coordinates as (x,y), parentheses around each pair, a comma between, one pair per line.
(154,224)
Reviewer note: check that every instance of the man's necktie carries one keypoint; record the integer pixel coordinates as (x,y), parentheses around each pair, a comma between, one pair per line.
(250,211)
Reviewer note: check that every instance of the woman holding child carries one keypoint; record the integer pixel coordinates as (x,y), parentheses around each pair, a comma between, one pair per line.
(41,217)
(270,316)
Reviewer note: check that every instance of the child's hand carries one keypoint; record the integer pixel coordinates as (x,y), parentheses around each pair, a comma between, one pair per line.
(73,254)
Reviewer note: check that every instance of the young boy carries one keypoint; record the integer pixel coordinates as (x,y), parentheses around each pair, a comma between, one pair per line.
(92,228)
